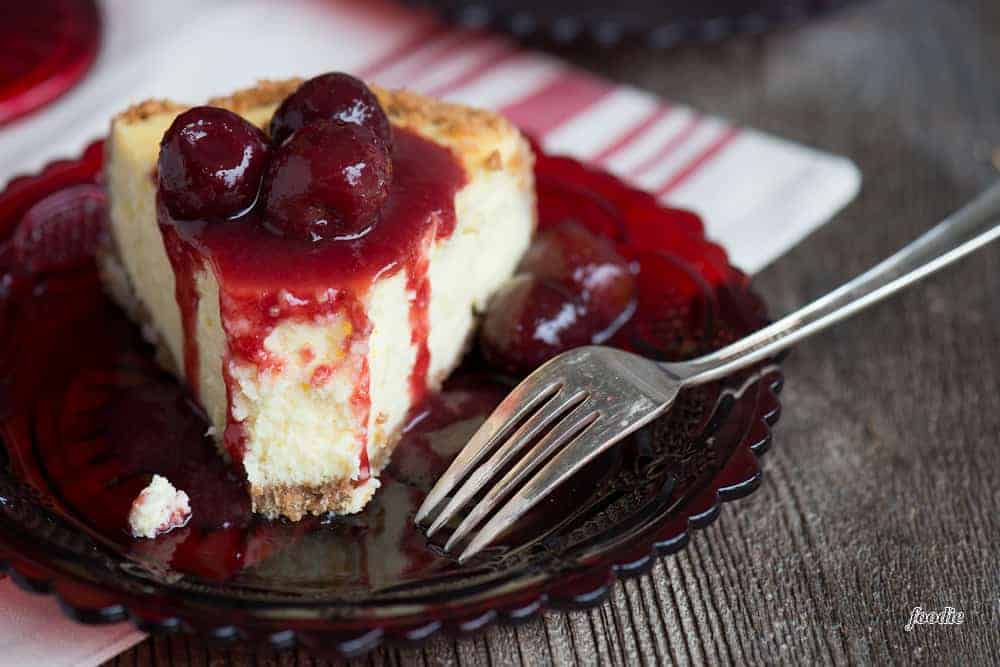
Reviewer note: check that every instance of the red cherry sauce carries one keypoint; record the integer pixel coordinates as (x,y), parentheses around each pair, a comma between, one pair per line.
(419,284)
(265,279)
(89,430)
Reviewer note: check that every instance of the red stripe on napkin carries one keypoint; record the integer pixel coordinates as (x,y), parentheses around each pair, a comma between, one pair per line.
(402,51)
(493,59)
(672,143)
(417,64)
(631,135)
(568,95)
(698,161)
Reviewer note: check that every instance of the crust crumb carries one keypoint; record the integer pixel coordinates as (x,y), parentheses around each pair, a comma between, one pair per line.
(493,161)
(143,110)
(265,93)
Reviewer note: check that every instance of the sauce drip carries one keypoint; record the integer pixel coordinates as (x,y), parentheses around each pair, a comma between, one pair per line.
(419,285)
(265,279)
(89,430)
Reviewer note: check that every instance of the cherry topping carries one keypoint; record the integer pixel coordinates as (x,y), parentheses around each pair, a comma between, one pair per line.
(673,318)
(211,163)
(529,321)
(62,231)
(328,181)
(333,96)
(573,255)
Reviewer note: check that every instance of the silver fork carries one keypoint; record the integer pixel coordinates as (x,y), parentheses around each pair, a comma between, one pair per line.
(583,401)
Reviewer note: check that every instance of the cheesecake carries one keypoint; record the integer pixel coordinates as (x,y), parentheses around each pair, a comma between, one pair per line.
(311,259)
(158,509)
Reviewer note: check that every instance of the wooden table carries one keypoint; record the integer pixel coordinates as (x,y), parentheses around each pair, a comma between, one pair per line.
(881,492)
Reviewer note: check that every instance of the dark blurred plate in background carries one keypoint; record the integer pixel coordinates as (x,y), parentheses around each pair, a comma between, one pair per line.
(656,23)
(46,47)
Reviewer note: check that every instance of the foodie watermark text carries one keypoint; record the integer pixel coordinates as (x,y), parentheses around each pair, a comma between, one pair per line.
(946,616)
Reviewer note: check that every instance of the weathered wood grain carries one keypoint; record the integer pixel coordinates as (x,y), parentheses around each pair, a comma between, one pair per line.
(881,492)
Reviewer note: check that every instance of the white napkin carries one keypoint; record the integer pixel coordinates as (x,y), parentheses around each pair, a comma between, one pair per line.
(758,194)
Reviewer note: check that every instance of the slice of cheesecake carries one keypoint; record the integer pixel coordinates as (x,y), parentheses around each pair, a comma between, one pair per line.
(307,357)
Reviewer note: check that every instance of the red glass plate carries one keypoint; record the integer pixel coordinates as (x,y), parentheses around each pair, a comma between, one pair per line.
(86,415)
(48,46)
(658,24)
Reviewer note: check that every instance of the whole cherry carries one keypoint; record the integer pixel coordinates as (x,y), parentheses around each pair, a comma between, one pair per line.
(328,181)
(333,96)
(211,163)
(530,320)
(573,255)
(61,231)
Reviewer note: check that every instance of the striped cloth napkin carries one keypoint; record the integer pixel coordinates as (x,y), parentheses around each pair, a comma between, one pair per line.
(190,50)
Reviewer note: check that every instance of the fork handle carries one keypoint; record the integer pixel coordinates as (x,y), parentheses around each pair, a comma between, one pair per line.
(968,229)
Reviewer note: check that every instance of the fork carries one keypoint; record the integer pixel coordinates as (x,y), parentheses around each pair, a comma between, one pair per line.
(581,402)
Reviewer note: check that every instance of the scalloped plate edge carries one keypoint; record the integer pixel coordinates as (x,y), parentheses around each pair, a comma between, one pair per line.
(603,576)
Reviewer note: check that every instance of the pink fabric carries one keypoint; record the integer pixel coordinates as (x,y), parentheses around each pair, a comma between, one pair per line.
(33,631)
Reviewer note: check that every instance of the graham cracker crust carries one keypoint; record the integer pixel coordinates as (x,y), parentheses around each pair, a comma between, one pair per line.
(342,496)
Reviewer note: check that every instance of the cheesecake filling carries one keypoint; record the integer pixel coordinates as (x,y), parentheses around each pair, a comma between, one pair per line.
(298,322)
(310,359)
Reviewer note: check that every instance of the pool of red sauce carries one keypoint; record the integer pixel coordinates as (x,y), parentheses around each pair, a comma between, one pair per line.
(265,279)
(112,418)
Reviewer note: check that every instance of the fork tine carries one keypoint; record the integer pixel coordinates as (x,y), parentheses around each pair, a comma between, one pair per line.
(583,448)
(553,409)
(577,421)
(538,387)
